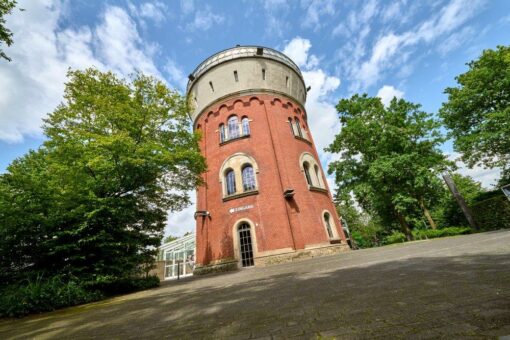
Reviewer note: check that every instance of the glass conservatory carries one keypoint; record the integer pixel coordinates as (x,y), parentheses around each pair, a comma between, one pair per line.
(179,257)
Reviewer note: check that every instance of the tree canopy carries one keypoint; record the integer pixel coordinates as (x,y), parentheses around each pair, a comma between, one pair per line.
(6,7)
(389,159)
(92,201)
(478,110)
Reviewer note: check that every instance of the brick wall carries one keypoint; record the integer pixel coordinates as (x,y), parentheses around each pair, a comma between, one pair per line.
(278,223)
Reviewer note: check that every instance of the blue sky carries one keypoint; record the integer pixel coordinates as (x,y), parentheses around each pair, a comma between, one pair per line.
(409,49)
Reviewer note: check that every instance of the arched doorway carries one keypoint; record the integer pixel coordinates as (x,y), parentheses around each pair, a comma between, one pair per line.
(245,245)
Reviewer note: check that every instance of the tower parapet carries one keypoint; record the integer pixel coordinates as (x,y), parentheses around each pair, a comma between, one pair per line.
(243,70)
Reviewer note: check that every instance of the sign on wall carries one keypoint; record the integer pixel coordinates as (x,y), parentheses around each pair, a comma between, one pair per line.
(242,208)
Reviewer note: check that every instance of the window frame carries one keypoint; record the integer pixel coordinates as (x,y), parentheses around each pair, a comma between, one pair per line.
(252,185)
(230,183)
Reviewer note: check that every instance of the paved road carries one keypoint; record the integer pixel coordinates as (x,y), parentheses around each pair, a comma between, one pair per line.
(456,287)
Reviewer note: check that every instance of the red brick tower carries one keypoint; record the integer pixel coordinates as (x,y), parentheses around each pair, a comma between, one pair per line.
(266,199)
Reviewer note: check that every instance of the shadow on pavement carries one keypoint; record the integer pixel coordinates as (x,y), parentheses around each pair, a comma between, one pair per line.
(456,296)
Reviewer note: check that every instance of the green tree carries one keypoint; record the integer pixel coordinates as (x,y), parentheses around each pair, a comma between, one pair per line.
(478,110)
(366,231)
(92,201)
(389,158)
(447,211)
(6,7)
(170,238)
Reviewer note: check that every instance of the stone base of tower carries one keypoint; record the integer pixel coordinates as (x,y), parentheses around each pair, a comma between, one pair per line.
(301,254)
(216,267)
(274,257)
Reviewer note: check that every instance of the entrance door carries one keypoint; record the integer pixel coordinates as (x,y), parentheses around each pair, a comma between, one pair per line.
(246,245)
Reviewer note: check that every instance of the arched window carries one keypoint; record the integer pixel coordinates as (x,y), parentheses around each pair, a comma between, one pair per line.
(233,127)
(291,126)
(328,224)
(248,178)
(306,168)
(238,176)
(230,179)
(245,122)
(312,171)
(223,137)
(298,127)
(317,175)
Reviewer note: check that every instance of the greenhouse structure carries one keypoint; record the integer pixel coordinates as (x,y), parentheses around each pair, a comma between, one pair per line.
(178,257)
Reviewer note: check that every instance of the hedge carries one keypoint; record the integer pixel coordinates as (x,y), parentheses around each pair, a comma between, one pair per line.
(492,213)
(435,233)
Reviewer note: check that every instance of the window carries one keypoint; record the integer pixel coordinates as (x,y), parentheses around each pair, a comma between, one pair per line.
(306,168)
(291,126)
(245,122)
(248,178)
(233,127)
(234,130)
(287,81)
(263,74)
(312,171)
(298,127)
(238,176)
(317,174)
(236,77)
(230,179)
(211,85)
(223,137)
(328,224)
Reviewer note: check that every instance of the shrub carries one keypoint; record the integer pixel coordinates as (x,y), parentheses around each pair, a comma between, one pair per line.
(395,237)
(42,295)
(424,234)
(492,213)
(111,286)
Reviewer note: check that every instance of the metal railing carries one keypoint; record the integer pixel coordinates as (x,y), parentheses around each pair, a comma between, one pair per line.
(236,53)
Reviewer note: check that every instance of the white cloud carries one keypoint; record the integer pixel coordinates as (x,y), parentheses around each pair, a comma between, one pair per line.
(175,73)
(187,6)
(357,20)
(315,10)
(119,44)
(322,115)
(392,50)
(155,11)
(487,177)
(32,85)
(204,19)
(275,12)
(387,93)
(180,222)
(391,11)
(297,50)
(456,40)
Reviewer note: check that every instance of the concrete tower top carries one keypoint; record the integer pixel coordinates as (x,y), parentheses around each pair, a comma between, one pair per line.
(242,70)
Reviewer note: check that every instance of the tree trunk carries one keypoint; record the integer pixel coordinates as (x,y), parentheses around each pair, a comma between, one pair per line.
(427,214)
(405,226)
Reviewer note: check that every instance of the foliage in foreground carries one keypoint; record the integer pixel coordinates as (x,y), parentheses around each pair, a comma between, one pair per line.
(92,202)
(6,7)
(44,295)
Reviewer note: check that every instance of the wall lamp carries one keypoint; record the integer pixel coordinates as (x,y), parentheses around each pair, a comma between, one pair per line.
(203,213)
